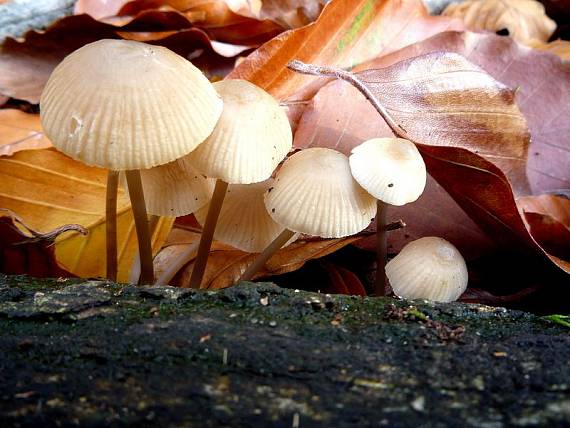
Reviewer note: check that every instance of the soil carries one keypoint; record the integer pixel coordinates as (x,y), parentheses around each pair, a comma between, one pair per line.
(92,353)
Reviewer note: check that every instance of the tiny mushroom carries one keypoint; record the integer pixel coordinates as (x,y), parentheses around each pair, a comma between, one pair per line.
(428,268)
(393,171)
(314,193)
(252,136)
(127,106)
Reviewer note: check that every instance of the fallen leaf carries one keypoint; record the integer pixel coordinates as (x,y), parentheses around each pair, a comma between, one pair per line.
(291,13)
(347,33)
(47,189)
(20,131)
(542,101)
(557,207)
(24,251)
(341,281)
(525,20)
(99,9)
(226,264)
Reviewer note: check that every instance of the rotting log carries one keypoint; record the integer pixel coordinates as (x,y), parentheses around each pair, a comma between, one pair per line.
(93,353)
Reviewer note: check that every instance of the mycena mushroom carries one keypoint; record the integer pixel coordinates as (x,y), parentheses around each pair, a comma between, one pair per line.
(126,106)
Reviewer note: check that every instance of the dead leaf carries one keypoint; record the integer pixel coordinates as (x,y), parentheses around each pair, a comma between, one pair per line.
(20,131)
(226,264)
(438,99)
(291,13)
(525,20)
(47,189)
(347,33)
(341,281)
(25,251)
(557,207)
(99,9)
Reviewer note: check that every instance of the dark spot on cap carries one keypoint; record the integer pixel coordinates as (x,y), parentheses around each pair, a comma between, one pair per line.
(503,32)
(269,190)
(195,199)
(272,210)
(391,185)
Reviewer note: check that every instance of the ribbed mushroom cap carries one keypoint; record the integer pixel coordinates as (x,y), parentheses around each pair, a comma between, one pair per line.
(428,268)
(175,189)
(390,169)
(251,138)
(127,105)
(244,222)
(314,193)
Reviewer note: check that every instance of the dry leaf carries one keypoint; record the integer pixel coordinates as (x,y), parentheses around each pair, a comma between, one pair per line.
(557,207)
(347,33)
(226,264)
(99,9)
(291,13)
(525,20)
(25,251)
(47,189)
(20,131)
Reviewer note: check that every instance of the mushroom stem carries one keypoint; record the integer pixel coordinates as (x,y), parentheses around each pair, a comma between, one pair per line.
(266,254)
(381,248)
(141,223)
(111,223)
(178,263)
(208,233)
(135,272)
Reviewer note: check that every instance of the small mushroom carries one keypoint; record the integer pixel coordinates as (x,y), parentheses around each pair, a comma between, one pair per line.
(428,268)
(126,106)
(314,193)
(393,171)
(252,136)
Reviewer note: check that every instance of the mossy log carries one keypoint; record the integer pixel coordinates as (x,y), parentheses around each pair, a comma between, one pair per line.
(91,353)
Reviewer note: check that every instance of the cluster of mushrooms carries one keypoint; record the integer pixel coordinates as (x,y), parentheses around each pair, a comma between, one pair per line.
(188,146)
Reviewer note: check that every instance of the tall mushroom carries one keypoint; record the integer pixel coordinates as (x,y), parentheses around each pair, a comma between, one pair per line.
(252,136)
(126,106)
(393,171)
(314,193)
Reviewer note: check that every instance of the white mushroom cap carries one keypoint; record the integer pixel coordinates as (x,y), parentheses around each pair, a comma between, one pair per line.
(252,136)
(390,169)
(314,193)
(126,105)
(175,189)
(428,268)
(244,222)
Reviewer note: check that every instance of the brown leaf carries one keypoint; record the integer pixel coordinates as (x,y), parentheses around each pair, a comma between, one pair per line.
(291,13)
(557,207)
(24,251)
(341,281)
(542,101)
(347,33)
(561,48)
(525,20)
(226,264)
(20,131)
(98,9)
(440,99)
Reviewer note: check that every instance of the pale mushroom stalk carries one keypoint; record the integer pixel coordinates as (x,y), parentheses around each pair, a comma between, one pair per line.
(141,224)
(381,247)
(208,233)
(111,223)
(264,256)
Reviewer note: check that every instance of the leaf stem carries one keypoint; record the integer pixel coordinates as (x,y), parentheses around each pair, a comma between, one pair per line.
(141,223)
(111,224)
(208,233)
(318,70)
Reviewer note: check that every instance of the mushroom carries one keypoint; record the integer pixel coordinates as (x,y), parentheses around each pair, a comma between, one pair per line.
(428,268)
(126,106)
(252,136)
(314,193)
(393,171)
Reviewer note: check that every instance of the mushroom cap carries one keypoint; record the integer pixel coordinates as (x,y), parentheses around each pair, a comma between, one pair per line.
(390,169)
(175,189)
(124,105)
(244,222)
(252,136)
(428,268)
(314,193)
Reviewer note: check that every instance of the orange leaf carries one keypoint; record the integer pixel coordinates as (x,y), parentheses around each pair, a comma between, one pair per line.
(347,33)
(20,131)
